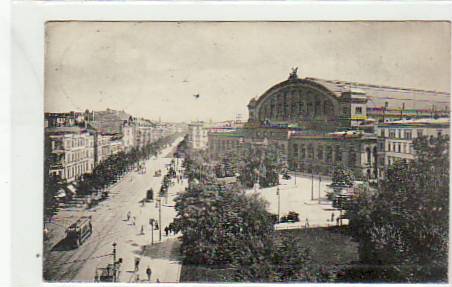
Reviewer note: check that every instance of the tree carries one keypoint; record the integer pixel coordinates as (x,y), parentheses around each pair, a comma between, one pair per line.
(52,185)
(342,176)
(403,226)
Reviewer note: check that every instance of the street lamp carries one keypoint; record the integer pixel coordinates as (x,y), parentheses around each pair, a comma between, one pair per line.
(151,222)
(279,202)
(160,218)
(320,180)
(312,183)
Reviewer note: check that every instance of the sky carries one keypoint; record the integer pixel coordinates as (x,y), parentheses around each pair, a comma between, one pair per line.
(153,69)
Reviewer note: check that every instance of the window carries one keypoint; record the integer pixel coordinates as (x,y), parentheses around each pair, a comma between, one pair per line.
(389,146)
(382,133)
(295,150)
(338,153)
(301,107)
(317,107)
(408,134)
(329,153)
(399,148)
(320,152)
(303,152)
(358,110)
(391,134)
(309,108)
(351,157)
(420,133)
(310,151)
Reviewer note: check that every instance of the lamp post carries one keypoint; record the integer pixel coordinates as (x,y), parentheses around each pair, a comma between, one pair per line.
(151,222)
(160,219)
(312,183)
(114,261)
(320,180)
(279,202)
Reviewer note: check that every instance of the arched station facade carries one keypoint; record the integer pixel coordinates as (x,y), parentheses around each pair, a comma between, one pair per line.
(316,127)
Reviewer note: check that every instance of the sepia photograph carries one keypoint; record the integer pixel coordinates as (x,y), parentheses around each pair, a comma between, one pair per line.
(246,151)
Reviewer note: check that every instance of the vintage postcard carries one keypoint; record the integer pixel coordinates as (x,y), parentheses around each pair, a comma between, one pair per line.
(291,152)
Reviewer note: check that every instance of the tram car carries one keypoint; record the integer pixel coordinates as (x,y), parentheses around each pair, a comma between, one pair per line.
(79,231)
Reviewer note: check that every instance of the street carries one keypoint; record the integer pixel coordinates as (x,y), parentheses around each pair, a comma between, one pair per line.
(110,225)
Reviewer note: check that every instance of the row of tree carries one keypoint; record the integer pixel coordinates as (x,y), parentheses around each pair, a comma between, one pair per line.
(103,175)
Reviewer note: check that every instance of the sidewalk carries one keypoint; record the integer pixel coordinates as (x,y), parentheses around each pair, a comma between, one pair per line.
(162,256)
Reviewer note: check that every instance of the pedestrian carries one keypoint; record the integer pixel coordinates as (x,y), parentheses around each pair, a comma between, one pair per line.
(306,225)
(157,281)
(166,230)
(337,220)
(332,216)
(142,230)
(128,215)
(149,273)
(156,226)
(137,264)
(133,220)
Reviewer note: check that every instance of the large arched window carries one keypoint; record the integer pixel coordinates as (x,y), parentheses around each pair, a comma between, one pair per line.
(328,108)
(351,157)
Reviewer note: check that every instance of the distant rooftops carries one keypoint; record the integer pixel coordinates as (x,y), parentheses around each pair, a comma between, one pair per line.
(71,129)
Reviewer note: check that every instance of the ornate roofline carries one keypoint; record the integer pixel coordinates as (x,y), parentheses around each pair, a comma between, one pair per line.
(295,82)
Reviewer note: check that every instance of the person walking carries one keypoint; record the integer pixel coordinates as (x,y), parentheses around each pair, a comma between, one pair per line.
(137,264)
(332,216)
(306,225)
(142,230)
(166,231)
(149,273)
(133,220)
(128,215)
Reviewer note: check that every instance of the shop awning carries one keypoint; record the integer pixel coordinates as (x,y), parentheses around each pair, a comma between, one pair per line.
(72,189)
(61,193)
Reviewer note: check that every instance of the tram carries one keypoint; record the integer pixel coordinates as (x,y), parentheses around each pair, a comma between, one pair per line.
(79,231)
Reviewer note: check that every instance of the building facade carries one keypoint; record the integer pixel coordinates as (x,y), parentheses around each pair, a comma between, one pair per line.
(321,153)
(395,139)
(128,135)
(224,140)
(197,135)
(70,152)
